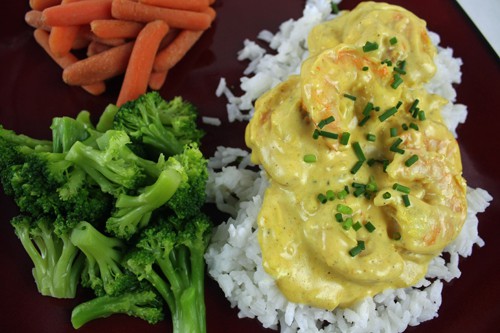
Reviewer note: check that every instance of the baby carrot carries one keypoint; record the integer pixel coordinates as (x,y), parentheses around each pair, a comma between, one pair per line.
(157,79)
(77,13)
(99,67)
(141,61)
(175,18)
(195,5)
(115,28)
(34,19)
(42,38)
(94,48)
(42,4)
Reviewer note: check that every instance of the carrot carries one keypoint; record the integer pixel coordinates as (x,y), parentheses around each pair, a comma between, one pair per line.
(61,39)
(94,48)
(175,18)
(42,4)
(175,51)
(77,13)
(99,67)
(115,28)
(157,79)
(141,61)
(34,19)
(195,5)
(86,33)
(42,38)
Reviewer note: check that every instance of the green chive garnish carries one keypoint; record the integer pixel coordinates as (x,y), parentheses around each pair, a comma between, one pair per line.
(356,226)
(329,135)
(371,137)
(342,194)
(393,132)
(405,127)
(358,151)
(395,146)
(326,121)
(401,188)
(414,126)
(393,40)
(334,7)
(368,108)
(357,249)
(388,62)
(386,195)
(339,218)
(316,134)
(309,158)
(365,68)
(356,167)
(397,81)
(369,46)
(413,106)
(411,160)
(322,198)
(359,191)
(344,139)
(369,226)
(347,223)
(364,121)
(387,113)
(421,115)
(406,200)
(351,97)
(344,209)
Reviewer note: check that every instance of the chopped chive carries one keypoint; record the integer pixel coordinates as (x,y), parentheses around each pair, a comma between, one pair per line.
(386,195)
(329,135)
(342,194)
(339,218)
(406,200)
(356,167)
(393,132)
(356,226)
(347,223)
(398,105)
(316,134)
(387,113)
(393,40)
(358,151)
(371,137)
(344,139)
(387,62)
(411,160)
(326,121)
(344,209)
(399,70)
(351,97)
(402,64)
(401,188)
(421,115)
(322,198)
(413,106)
(405,127)
(309,158)
(397,81)
(371,162)
(330,195)
(369,226)
(365,68)
(359,191)
(334,7)
(414,126)
(395,146)
(364,120)
(385,164)
(371,186)
(377,108)
(346,188)
(370,46)
(357,249)
(368,108)
(357,185)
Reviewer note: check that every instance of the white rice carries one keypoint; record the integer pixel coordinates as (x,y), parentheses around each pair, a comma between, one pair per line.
(234,257)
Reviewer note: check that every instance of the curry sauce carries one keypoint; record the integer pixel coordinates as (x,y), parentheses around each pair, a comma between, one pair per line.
(365,178)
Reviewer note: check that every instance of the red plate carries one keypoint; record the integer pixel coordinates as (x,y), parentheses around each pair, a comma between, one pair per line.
(32,92)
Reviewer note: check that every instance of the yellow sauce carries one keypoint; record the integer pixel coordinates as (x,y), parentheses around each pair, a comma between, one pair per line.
(304,247)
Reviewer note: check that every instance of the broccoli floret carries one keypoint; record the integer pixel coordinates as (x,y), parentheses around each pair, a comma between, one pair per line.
(169,254)
(65,132)
(103,271)
(163,126)
(144,304)
(57,262)
(24,140)
(133,213)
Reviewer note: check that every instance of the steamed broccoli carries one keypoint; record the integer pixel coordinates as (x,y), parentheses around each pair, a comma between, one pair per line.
(144,304)
(57,262)
(163,126)
(169,255)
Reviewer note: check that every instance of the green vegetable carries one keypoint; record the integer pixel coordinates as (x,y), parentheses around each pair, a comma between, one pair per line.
(411,160)
(370,46)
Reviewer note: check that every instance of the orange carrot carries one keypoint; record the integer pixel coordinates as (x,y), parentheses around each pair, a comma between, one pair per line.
(77,13)
(175,51)
(89,35)
(141,61)
(175,18)
(42,38)
(62,39)
(34,19)
(157,79)
(115,28)
(195,5)
(42,4)
(99,67)
(94,48)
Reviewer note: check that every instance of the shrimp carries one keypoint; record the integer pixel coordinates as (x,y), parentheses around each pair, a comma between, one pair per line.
(438,203)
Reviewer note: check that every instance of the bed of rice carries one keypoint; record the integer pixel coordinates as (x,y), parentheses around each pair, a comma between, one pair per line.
(234,257)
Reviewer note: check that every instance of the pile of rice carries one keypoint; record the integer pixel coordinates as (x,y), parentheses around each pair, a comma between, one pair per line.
(234,257)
